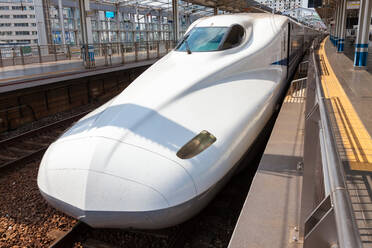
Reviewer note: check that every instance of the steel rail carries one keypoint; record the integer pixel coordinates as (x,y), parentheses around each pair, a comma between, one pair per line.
(32,133)
(347,230)
(69,238)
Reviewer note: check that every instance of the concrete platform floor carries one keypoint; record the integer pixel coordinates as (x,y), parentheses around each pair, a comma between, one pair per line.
(357,84)
(25,72)
(272,208)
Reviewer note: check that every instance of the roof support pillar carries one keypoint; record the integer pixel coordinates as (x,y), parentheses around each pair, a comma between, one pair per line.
(337,24)
(175,20)
(341,39)
(118,20)
(215,10)
(334,27)
(86,33)
(361,43)
(61,22)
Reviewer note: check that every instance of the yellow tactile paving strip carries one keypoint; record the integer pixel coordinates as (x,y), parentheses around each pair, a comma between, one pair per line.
(353,140)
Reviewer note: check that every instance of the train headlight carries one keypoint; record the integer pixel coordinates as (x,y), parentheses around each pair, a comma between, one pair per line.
(196,145)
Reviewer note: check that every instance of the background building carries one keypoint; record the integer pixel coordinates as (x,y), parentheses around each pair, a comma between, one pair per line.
(18,23)
(281,5)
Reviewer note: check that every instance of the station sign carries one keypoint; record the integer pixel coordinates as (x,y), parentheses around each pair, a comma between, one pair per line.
(110,14)
(353,5)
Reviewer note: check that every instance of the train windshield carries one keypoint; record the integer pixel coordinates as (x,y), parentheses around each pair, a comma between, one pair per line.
(202,39)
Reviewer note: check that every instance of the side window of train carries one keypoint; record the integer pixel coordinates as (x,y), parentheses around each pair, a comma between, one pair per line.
(234,37)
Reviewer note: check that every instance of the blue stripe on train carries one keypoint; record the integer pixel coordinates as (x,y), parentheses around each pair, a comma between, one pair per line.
(284,61)
(281,62)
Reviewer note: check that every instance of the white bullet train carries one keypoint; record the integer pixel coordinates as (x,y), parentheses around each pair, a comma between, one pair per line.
(156,154)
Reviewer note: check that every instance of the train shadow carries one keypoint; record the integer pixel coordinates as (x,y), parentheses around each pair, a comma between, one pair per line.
(131,121)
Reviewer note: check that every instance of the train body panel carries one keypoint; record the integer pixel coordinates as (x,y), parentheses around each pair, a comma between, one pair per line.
(126,151)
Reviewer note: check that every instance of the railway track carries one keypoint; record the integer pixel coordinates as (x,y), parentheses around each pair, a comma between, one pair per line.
(171,237)
(32,144)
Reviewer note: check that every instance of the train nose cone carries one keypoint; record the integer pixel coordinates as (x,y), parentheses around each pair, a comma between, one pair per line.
(106,183)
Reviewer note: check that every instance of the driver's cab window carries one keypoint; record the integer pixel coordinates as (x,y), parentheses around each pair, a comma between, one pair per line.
(234,37)
(207,39)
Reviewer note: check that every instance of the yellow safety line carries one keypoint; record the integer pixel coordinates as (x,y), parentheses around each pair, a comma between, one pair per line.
(354,141)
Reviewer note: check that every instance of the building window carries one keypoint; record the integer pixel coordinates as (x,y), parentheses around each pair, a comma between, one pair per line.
(20,24)
(34,32)
(4,16)
(18,7)
(32,16)
(19,16)
(31,7)
(33,24)
(5,24)
(4,7)
(22,33)
(24,41)
(6,33)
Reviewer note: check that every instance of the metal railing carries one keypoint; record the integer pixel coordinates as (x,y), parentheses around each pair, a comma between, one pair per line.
(327,218)
(104,54)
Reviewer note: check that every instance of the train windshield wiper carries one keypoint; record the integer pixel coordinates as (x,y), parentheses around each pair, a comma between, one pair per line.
(187,47)
(186,44)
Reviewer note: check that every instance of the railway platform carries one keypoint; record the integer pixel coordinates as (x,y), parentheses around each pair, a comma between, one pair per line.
(278,202)
(350,94)
(273,202)
(33,76)
(75,67)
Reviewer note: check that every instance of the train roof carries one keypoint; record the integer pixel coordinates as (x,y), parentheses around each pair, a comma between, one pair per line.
(244,19)
(241,18)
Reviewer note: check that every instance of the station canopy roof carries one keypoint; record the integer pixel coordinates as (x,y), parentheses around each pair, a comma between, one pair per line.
(202,7)
(326,9)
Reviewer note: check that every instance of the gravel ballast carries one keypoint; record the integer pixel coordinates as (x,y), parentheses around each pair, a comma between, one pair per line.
(26,220)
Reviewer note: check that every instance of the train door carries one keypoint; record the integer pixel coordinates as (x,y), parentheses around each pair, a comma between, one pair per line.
(283,50)
(287,46)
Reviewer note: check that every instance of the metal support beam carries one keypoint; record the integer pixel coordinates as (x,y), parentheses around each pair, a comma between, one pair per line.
(86,33)
(48,25)
(118,20)
(76,30)
(334,39)
(341,39)
(61,22)
(362,40)
(337,24)
(333,27)
(175,12)
(41,25)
